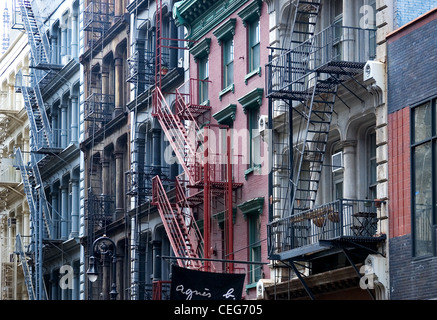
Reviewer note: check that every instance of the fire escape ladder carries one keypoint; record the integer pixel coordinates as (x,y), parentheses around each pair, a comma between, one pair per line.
(181,139)
(177,223)
(40,59)
(33,112)
(309,153)
(30,187)
(39,44)
(26,270)
(304,21)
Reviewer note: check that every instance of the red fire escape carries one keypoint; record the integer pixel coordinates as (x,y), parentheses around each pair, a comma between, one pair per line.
(207,172)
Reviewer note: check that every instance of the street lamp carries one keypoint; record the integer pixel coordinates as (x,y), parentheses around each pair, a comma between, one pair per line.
(102,246)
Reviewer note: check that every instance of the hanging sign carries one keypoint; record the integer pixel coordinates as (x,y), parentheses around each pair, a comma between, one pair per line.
(187,284)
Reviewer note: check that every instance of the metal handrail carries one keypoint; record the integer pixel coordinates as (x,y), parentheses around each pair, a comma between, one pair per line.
(344,217)
(292,68)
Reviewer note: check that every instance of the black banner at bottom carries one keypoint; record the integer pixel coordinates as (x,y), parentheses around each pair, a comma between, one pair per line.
(187,284)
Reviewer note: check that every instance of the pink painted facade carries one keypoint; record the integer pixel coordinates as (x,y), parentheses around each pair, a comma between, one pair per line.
(255,185)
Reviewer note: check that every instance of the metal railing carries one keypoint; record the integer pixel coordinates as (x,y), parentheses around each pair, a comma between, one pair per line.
(99,208)
(341,218)
(8,174)
(97,16)
(99,107)
(336,49)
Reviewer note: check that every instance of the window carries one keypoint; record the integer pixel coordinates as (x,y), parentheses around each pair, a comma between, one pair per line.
(424,157)
(337,23)
(254,46)
(228,63)
(255,247)
(255,139)
(252,211)
(371,167)
(203,79)
(250,17)
(251,103)
(337,173)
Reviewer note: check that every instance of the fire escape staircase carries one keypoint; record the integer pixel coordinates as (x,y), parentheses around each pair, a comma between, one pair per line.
(180,225)
(42,72)
(32,183)
(306,77)
(26,270)
(182,126)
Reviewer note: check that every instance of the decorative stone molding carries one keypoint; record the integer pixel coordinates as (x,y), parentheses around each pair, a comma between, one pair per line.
(252,100)
(252,207)
(251,12)
(226,115)
(226,31)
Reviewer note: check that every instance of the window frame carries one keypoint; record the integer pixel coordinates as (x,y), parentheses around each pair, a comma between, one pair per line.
(228,57)
(431,139)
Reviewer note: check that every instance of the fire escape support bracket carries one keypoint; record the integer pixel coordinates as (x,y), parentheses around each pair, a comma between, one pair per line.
(302,280)
(357,272)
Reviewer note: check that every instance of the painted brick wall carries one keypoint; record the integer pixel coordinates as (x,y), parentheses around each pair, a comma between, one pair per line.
(409,279)
(399,172)
(409,79)
(407,10)
(412,59)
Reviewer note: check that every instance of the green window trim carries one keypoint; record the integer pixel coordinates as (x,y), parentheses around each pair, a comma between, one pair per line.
(200,16)
(226,115)
(252,207)
(201,49)
(251,74)
(226,31)
(252,100)
(220,217)
(251,12)
(252,210)
(226,90)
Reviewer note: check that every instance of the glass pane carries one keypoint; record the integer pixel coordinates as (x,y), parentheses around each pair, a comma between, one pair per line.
(255,57)
(422,122)
(229,74)
(422,158)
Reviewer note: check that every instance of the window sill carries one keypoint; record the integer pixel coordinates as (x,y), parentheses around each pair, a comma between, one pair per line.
(226,90)
(251,74)
(251,170)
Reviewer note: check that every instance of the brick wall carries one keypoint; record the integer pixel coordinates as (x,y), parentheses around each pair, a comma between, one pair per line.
(409,79)
(399,172)
(407,10)
(409,279)
(411,61)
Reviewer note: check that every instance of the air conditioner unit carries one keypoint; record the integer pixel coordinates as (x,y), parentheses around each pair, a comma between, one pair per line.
(12,222)
(374,70)
(260,288)
(337,161)
(263,122)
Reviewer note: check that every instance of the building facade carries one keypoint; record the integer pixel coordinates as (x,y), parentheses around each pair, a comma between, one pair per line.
(14,133)
(104,145)
(287,141)
(327,214)
(411,112)
(50,176)
(150,274)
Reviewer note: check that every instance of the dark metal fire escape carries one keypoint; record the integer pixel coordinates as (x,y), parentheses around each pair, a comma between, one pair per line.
(302,86)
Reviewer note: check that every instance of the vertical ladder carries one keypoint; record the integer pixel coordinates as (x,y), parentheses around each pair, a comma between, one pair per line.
(39,44)
(305,16)
(26,271)
(309,154)
(29,191)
